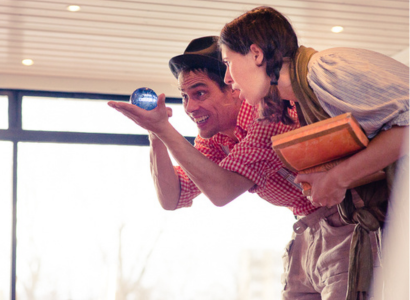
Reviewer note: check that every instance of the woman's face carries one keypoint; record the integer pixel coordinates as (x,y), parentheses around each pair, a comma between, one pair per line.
(246,73)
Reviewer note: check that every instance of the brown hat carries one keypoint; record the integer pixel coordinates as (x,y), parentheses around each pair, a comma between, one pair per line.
(200,53)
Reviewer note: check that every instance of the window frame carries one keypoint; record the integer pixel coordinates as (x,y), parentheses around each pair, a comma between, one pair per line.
(15,133)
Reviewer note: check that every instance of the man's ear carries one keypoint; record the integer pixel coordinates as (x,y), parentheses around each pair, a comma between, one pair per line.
(257,54)
(235,93)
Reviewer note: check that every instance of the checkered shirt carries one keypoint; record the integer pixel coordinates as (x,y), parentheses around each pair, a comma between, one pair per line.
(252,157)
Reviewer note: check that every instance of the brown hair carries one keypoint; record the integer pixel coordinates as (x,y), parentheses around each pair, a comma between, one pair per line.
(212,75)
(272,32)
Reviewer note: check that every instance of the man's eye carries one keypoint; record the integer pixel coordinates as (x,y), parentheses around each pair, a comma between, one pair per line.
(184,100)
(200,93)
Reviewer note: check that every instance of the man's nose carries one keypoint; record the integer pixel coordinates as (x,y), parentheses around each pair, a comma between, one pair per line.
(190,105)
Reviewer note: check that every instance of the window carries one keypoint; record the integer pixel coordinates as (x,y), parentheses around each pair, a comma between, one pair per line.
(89,225)
(88,115)
(6,211)
(4,116)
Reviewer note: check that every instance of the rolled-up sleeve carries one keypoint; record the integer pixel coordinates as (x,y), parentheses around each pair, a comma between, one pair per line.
(372,86)
(188,189)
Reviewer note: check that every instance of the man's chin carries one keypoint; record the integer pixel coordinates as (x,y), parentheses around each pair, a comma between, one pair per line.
(205,135)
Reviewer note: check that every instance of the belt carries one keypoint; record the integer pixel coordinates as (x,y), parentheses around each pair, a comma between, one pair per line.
(310,220)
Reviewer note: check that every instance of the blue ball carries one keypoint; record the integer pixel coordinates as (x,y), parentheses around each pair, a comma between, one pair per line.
(144,98)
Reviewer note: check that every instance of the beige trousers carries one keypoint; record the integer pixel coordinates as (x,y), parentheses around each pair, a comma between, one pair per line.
(317,258)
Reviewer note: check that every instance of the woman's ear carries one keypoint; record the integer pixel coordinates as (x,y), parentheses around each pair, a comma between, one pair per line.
(257,54)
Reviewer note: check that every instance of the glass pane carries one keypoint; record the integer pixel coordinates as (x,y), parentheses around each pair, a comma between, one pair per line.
(181,121)
(4,112)
(90,227)
(85,115)
(6,161)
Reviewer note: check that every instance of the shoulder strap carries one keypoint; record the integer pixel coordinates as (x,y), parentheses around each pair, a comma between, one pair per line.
(307,103)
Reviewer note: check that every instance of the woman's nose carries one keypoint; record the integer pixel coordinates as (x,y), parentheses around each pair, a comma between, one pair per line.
(228,79)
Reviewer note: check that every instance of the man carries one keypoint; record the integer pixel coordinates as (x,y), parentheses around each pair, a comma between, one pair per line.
(232,153)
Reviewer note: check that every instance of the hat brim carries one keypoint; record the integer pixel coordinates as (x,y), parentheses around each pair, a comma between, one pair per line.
(196,61)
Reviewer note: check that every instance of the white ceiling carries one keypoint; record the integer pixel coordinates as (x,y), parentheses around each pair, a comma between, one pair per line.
(117,46)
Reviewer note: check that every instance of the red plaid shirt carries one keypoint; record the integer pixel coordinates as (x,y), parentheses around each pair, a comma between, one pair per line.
(252,157)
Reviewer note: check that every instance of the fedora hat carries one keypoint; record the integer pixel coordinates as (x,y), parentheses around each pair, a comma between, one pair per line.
(200,53)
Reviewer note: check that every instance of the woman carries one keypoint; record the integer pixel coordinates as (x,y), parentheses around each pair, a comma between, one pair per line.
(265,63)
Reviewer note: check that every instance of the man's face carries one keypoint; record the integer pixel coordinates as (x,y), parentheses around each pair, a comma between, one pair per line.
(211,109)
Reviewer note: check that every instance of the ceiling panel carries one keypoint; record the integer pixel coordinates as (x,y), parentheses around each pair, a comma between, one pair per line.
(117,46)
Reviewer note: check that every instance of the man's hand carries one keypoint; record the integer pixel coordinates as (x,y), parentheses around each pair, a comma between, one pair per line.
(155,120)
(162,171)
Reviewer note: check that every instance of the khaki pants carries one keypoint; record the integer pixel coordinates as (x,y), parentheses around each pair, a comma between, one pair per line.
(317,258)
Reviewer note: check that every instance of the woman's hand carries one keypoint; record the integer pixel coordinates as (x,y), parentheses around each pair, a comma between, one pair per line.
(329,188)
(326,190)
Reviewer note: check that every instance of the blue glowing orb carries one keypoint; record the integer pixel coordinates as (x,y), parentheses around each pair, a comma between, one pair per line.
(144,98)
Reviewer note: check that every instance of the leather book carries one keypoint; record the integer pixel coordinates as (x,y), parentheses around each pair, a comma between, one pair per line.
(320,146)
